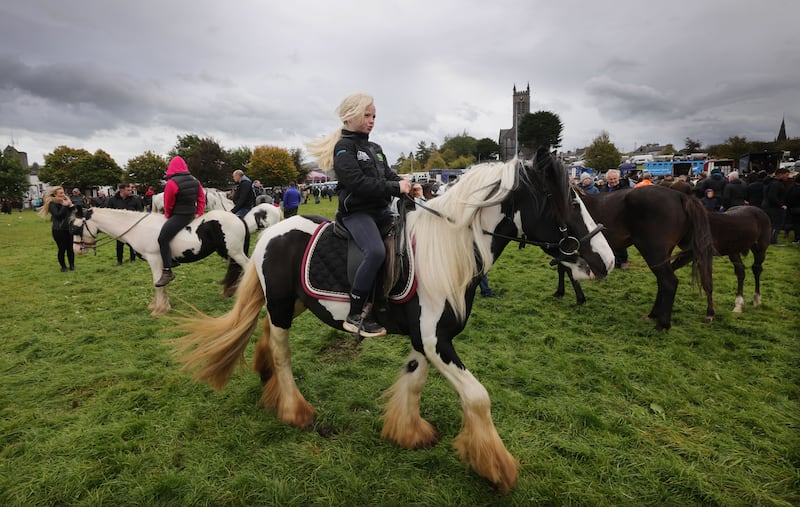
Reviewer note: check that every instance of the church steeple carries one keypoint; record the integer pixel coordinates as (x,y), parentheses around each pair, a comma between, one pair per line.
(782,131)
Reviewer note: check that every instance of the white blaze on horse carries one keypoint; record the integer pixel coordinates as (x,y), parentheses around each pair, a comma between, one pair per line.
(216,231)
(455,242)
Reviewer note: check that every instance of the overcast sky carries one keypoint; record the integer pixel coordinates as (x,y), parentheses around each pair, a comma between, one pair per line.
(128,77)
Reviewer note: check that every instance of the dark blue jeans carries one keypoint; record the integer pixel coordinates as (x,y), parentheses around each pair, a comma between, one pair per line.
(363,228)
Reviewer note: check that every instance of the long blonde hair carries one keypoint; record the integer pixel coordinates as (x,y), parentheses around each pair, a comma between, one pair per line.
(352,107)
(49,196)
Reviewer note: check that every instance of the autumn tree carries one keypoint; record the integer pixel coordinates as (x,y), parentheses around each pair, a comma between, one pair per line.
(147,170)
(541,128)
(435,161)
(602,155)
(13,177)
(206,159)
(273,166)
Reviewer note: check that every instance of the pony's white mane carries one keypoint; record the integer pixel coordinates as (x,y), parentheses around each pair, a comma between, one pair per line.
(445,247)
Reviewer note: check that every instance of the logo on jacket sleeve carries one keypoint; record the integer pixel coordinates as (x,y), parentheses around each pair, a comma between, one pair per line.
(362,155)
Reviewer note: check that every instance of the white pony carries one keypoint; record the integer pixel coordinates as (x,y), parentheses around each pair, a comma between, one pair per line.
(216,231)
(215,200)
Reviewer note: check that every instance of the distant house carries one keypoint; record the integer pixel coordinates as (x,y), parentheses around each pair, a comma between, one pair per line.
(36,188)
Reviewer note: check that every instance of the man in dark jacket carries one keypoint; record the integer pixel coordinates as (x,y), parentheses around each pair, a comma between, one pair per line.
(243,196)
(735,193)
(755,188)
(124,199)
(774,202)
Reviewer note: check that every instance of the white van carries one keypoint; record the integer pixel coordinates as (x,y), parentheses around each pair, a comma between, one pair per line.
(641,159)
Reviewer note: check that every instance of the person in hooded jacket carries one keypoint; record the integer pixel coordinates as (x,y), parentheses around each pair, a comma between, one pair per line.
(774,202)
(184,199)
(366,187)
(587,184)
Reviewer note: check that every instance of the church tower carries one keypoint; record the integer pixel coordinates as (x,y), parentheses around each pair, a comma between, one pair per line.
(781,132)
(520,106)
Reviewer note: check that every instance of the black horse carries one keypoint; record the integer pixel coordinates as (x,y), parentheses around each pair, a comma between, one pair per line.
(655,220)
(455,239)
(736,232)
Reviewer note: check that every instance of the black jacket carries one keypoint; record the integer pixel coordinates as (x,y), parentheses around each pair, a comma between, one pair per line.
(366,182)
(243,195)
(774,194)
(60,216)
(735,194)
(132,203)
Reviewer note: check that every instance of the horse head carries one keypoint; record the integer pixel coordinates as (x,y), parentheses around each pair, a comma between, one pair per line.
(551,212)
(84,235)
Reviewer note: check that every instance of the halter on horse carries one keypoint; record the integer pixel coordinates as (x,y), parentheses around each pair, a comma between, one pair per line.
(216,231)
(491,205)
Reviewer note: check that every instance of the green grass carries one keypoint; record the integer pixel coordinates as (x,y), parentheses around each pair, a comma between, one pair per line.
(598,407)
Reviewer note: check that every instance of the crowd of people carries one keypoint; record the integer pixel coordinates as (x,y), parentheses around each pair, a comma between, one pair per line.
(777,194)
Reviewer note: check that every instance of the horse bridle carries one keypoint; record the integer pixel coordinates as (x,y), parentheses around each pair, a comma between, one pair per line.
(567,246)
(97,244)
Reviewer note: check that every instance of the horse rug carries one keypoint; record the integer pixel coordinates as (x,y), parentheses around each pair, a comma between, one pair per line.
(324,270)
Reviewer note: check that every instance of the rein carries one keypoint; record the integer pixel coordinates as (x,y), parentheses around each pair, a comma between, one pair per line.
(109,239)
(567,245)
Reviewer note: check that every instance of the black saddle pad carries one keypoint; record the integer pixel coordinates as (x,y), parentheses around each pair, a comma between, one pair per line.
(324,269)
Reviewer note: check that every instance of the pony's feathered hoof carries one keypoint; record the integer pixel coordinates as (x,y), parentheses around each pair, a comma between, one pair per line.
(486,454)
(708,319)
(756,299)
(416,434)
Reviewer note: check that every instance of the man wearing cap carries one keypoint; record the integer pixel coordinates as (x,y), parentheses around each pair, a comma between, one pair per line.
(774,202)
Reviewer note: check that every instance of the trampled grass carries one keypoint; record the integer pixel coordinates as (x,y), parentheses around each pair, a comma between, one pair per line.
(598,407)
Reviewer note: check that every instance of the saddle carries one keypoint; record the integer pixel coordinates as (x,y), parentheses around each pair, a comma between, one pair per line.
(332,258)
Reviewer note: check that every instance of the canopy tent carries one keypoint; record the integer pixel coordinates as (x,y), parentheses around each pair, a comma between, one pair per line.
(316,177)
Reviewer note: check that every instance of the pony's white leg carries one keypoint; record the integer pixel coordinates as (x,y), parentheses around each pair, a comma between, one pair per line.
(160,304)
(738,303)
(280,392)
(401,420)
(478,444)
(756,299)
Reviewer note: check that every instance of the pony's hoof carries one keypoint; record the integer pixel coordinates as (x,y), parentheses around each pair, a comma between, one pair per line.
(737,309)
(709,319)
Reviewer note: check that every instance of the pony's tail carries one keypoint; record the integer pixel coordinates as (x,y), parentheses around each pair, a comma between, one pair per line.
(213,346)
(702,243)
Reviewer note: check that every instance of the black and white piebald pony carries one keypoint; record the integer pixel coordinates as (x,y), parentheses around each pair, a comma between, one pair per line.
(215,200)
(216,231)
(455,243)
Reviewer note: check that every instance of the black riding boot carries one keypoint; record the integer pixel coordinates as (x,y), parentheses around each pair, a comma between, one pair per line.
(355,323)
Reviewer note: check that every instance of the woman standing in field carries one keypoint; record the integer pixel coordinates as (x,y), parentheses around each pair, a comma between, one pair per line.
(59,205)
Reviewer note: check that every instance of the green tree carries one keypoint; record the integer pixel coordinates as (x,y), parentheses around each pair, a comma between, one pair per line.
(206,159)
(13,177)
(541,128)
(302,170)
(461,145)
(78,168)
(602,155)
(147,170)
(734,147)
(486,149)
(238,158)
(423,152)
(692,145)
(273,166)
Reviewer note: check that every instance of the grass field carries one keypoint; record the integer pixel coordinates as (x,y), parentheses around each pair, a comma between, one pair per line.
(598,407)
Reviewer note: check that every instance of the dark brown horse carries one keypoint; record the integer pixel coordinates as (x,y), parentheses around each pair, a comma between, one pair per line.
(737,231)
(655,220)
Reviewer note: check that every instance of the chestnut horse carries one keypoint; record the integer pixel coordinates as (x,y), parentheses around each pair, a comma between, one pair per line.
(655,220)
